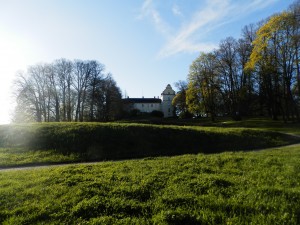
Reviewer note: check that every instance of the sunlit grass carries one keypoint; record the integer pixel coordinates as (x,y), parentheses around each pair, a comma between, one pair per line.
(117,140)
(264,123)
(229,188)
(19,157)
(233,187)
(24,144)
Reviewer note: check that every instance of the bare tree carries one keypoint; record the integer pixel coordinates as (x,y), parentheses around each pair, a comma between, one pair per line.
(63,70)
(82,73)
(95,83)
(66,91)
(227,56)
(28,106)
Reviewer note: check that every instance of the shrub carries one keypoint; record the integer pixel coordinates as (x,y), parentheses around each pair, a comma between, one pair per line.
(134,112)
(157,113)
(185,115)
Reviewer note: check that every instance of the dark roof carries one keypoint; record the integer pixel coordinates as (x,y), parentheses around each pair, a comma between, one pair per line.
(142,100)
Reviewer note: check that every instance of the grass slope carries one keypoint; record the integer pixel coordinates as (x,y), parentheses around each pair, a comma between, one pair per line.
(72,142)
(227,188)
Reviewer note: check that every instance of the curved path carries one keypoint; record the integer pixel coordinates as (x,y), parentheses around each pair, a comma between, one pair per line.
(29,167)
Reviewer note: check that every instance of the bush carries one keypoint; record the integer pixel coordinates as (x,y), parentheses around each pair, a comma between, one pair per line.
(134,113)
(157,113)
(185,115)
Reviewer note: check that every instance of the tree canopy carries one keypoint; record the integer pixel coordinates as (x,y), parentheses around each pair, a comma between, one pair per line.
(66,91)
(258,74)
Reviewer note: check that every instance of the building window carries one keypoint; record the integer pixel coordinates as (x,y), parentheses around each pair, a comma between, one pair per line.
(142,105)
(169,110)
(151,105)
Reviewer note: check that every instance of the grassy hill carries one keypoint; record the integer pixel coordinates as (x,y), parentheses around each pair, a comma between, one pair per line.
(74,142)
(176,181)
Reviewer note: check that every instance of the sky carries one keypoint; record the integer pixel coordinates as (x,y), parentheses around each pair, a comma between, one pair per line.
(145,44)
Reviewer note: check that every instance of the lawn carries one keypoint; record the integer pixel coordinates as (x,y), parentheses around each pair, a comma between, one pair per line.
(12,157)
(261,187)
(263,123)
(48,143)
(211,174)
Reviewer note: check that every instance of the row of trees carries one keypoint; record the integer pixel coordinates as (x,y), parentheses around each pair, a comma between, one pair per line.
(258,74)
(66,91)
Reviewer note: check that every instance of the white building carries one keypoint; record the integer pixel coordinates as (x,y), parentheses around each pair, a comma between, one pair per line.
(147,105)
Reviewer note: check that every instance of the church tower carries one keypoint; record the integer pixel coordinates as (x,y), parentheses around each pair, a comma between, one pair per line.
(166,101)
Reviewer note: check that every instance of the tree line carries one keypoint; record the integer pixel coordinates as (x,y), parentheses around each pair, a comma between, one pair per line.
(258,74)
(66,90)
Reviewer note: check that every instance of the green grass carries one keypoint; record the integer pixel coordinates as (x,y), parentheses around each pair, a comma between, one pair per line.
(24,144)
(265,124)
(11,157)
(227,187)
(261,187)
(247,122)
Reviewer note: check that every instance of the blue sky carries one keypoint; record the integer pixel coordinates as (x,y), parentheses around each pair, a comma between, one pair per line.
(144,44)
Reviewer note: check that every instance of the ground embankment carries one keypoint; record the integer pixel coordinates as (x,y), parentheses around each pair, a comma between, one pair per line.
(109,141)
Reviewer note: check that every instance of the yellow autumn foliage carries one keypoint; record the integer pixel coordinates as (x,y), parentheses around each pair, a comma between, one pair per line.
(264,34)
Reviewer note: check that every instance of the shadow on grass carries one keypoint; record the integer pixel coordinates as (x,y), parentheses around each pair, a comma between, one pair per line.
(96,142)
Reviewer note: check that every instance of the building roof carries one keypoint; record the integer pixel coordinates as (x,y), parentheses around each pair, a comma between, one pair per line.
(142,100)
(168,91)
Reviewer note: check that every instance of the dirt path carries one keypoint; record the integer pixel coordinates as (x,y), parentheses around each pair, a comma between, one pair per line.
(45,166)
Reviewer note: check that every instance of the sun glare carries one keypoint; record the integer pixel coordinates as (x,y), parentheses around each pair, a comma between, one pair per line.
(12,59)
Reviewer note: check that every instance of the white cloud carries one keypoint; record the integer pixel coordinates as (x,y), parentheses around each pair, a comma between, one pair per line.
(189,37)
(148,10)
(260,4)
(184,41)
(176,10)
